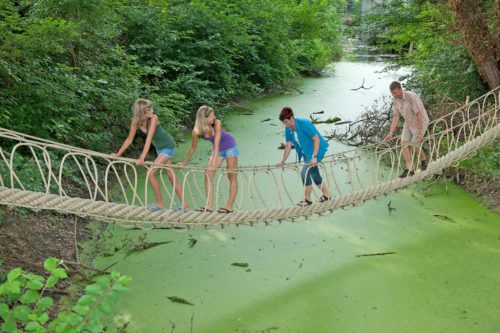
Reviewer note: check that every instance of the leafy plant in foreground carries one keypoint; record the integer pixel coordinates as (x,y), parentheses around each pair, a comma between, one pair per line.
(25,308)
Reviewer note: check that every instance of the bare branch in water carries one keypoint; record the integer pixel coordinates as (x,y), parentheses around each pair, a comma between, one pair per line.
(362,86)
(370,127)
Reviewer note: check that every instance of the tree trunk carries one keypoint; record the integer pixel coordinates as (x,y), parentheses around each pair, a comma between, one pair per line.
(482,46)
(497,28)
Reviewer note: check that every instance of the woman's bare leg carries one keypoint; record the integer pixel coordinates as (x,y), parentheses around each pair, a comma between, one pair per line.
(209,181)
(232,164)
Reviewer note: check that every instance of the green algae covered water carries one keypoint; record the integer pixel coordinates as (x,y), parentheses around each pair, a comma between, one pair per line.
(430,265)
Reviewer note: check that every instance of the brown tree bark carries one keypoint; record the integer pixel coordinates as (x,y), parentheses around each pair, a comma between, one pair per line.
(497,28)
(482,46)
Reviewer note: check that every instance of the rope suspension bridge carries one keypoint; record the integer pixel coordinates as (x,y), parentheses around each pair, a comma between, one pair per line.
(111,189)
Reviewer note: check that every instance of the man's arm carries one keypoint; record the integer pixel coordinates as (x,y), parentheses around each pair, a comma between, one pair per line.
(286,153)
(394,124)
(314,159)
(420,125)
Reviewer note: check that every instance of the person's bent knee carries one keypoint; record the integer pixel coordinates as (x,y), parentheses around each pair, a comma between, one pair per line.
(316,177)
(318,180)
(306,180)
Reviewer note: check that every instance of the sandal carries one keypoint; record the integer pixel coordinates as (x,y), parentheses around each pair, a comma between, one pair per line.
(178,208)
(203,209)
(304,203)
(324,198)
(224,211)
(154,207)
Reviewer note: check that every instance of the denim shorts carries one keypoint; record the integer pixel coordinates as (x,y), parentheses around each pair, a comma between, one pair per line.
(310,174)
(231,152)
(168,152)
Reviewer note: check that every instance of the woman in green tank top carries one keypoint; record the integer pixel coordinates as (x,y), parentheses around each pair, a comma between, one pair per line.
(148,123)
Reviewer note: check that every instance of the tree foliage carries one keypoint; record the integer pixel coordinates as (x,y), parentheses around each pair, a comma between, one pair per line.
(435,46)
(424,33)
(69,68)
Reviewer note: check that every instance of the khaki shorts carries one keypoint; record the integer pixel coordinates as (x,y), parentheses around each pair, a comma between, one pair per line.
(410,138)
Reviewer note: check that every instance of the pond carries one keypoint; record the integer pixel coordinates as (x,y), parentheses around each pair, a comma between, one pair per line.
(431,264)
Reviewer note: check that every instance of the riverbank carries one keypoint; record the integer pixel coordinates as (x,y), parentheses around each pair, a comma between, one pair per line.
(61,231)
(486,190)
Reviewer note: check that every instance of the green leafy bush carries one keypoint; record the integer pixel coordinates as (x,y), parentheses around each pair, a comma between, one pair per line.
(485,163)
(425,36)
(25,308)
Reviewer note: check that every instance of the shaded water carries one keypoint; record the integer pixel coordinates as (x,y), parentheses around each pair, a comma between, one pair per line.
(307,276)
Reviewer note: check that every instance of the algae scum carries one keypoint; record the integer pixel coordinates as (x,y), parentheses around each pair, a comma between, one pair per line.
(402,263)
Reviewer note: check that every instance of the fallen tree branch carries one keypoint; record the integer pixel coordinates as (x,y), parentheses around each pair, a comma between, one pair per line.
(367,128)
(362,86)
(241,106)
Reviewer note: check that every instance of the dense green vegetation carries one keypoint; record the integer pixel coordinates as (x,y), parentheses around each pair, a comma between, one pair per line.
(69,69)
(426,36)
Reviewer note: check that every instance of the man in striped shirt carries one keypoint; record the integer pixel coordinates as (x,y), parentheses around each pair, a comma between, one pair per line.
(410,106)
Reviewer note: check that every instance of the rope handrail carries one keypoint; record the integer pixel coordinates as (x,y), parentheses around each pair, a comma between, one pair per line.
(495,94)
(113,190)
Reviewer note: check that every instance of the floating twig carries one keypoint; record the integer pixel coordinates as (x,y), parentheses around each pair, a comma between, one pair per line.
(145,246)
(362,86)
(241,106)
(389,207)
(180,300)
(375,254)
(240,264)
(327,121)
(192,242)
(444,218)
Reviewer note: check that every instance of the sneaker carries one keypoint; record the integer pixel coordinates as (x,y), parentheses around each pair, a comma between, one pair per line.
(407,173)
(423,165)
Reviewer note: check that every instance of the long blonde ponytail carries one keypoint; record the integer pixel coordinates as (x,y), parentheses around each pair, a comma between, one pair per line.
(139,109)
(201,124)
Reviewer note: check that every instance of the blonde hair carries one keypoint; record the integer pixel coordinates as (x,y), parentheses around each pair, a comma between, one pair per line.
(139,109)
(201,124)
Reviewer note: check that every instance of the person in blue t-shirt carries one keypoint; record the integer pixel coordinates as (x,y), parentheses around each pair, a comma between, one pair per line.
(309,144)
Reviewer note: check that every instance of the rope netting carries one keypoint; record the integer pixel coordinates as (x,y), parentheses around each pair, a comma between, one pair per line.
(43,174)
